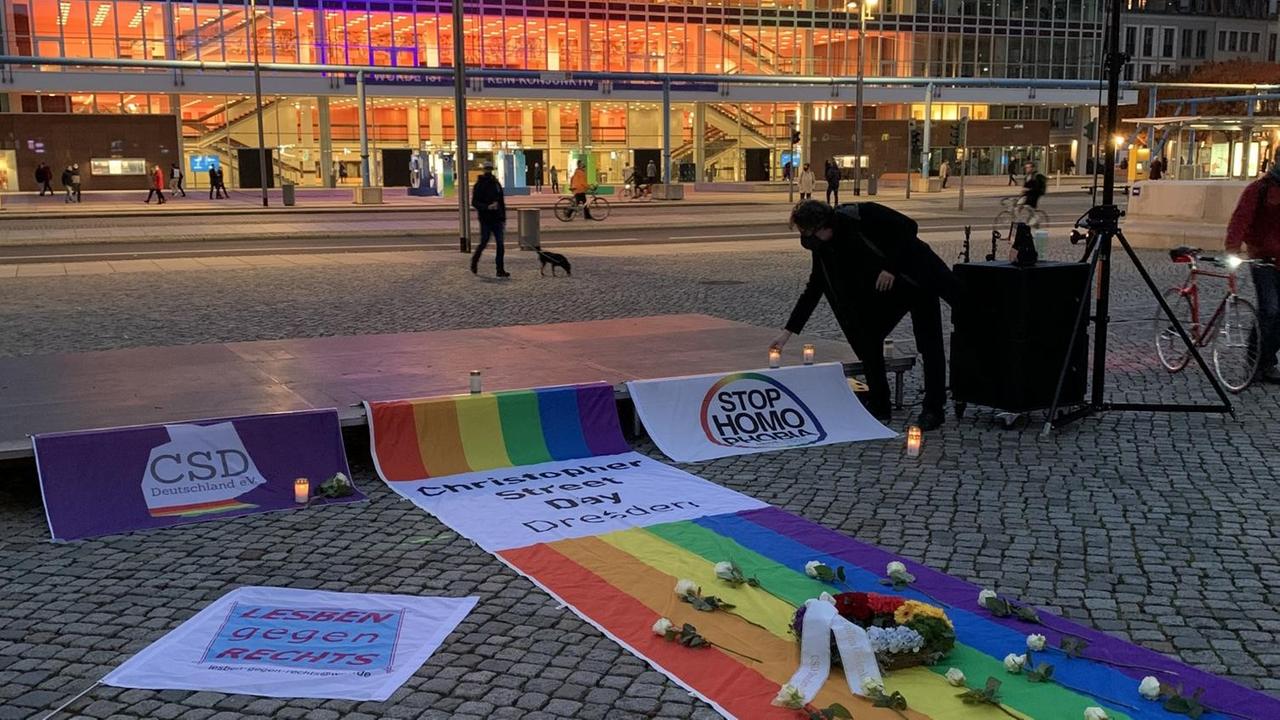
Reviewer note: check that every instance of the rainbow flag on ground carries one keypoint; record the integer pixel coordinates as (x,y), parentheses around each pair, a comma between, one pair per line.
(508,467)
(623,581)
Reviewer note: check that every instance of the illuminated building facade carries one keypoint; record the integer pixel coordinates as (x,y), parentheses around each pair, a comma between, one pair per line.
(721,131)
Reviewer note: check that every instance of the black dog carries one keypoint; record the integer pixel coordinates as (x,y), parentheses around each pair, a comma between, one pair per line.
(555,260)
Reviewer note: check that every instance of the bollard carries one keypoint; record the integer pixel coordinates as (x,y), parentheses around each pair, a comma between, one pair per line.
(530,229)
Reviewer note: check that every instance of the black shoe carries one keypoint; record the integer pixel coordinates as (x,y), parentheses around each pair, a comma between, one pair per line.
(504,274)
(931,419)
(475,265)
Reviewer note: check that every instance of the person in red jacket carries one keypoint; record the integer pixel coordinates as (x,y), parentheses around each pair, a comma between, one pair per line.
(157,185)
(1255,224)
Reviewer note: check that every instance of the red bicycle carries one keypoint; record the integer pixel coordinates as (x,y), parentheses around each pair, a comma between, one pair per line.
(1232,331)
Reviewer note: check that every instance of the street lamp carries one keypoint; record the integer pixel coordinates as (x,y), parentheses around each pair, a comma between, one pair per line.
(864,9)
(257,97)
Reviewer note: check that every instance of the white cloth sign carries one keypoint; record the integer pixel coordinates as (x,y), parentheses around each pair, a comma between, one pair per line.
(821,622)
(285,642)
(509,508)
(703,417)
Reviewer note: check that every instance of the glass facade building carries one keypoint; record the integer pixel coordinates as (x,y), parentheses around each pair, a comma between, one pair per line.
(312,121)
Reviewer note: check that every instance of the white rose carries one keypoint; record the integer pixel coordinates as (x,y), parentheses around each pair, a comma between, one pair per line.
(789,697)
(1095,713)
(1149,688)
(827,597)
(686,587)
(724,570)
(1013,663)
(955,676)
(986,595)
(661,627)
(872,684)
(811,568)
(1035,642)
(894,567)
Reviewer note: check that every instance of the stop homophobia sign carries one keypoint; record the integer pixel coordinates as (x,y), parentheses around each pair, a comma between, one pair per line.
(283,642)
(709,416)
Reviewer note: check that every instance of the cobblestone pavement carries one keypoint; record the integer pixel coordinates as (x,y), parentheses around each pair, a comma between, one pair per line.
(1158,528)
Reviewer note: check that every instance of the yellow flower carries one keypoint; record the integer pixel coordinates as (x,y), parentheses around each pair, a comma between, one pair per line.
(912,609)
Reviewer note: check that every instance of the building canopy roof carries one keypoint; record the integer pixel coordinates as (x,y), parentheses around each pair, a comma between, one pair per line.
(1209,122)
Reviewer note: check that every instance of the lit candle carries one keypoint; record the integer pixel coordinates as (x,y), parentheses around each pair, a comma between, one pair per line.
(301,491)
(914,440)
(475,382)
(888,348)
(809,351)
(775,357)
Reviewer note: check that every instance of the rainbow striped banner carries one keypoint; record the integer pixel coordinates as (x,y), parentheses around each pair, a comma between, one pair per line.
(626,528)
(623,581)
(433,437)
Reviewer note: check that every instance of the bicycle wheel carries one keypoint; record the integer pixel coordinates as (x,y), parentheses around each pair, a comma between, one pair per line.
(599,208)
(1235,344)
(564,209)
(1039,218)
(1174,353)
(1002,223)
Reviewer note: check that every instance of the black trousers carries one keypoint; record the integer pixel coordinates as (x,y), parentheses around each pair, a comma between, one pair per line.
(46,187)
(833,195)
(158,194)
(493,230)
(867,332)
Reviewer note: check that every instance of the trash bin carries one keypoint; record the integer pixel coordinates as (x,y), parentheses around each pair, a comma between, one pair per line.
(530,228)
(871,184)
(287,190)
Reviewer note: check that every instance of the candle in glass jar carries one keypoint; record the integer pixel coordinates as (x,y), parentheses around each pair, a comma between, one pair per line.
(775,357)
(475,382)
(914,439)
(301,490)
(809,352)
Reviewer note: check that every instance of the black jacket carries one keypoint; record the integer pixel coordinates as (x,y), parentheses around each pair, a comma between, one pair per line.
(66,177)
(486,192)
(869,238)
(833,176)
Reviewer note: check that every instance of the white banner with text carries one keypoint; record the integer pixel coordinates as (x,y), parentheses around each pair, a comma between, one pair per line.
(286,642)
(703,417)
(513,507)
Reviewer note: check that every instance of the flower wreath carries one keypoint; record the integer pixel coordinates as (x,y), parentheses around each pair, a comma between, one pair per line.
(903,633)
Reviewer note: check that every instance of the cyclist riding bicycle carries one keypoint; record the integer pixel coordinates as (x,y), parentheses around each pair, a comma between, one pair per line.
(1034,187)
(578,186)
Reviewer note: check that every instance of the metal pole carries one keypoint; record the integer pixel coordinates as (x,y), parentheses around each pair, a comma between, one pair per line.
(460,128)
(964,147)
(666,132)
(857,121)
(364,131)
(928,130)
(1115,63)
(257,95)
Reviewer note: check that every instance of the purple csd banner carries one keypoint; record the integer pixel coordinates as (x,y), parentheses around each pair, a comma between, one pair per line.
(99,482)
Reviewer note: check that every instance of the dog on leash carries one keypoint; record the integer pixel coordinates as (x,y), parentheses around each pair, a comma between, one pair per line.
(555,260)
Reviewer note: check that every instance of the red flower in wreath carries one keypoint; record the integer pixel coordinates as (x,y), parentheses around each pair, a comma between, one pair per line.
(884,604)
(855,605)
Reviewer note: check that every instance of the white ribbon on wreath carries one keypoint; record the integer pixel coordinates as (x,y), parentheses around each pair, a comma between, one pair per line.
(821,622)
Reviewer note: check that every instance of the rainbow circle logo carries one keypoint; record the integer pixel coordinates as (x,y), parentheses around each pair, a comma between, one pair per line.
(756,411)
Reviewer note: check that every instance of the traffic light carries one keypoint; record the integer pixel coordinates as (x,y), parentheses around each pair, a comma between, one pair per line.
(959,132)
(795,137)
(917,137)
(955,134)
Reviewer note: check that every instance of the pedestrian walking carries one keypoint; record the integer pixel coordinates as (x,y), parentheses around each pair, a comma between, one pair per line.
(157,185)
(873,269)
(651,173)
(786,171)
(1035,186)
(944,172)
(44,175)
(1013,171)
(806,182)
(537,176)
(555,179)
(1157,169)
(175,180)
(832,176)
(215,180)
(1255,226)
(75,181)
(491,207)
(69,191)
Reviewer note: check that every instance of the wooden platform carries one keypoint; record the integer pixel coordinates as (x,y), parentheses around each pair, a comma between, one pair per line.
(53,393)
